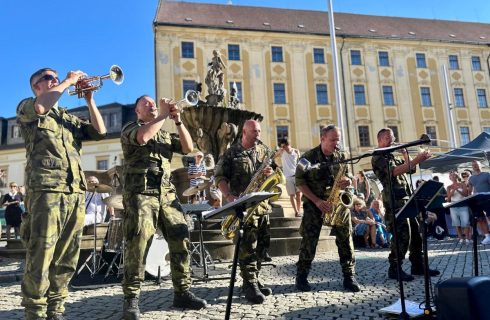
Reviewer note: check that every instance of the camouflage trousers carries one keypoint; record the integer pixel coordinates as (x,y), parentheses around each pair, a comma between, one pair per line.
(310,229)
(52,233)
(408,237)
(253,246)
(143,214)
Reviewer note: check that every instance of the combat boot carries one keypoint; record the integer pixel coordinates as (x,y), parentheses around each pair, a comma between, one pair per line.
(252,292)
(302,283)
(188,300)
(266,291)
(393,274)
(131,310)
(418,270)
(351,284)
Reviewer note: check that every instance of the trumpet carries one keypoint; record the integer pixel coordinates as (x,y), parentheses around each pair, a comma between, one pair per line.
(191,98)
(95,82)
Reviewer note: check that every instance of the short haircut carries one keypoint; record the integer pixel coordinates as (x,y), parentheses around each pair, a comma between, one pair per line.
(283,141)
(139,98)
(328,128)
(382,131)
(37,74)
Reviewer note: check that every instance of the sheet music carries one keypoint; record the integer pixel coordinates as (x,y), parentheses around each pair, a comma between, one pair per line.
(250,199)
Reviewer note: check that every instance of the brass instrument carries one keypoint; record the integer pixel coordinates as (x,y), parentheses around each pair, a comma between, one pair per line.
(259,182)
(191,98)
(340,201)
(95,83)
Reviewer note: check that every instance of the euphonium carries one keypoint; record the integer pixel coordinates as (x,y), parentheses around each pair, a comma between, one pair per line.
(340,201)
(259,182)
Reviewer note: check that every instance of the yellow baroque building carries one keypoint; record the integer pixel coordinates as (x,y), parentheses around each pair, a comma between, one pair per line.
(390,69)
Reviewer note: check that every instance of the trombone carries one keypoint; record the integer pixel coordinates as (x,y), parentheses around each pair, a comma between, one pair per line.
(86,84)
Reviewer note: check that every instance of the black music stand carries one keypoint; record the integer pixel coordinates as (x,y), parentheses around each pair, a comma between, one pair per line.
(475,202)
(239,208)
(425,198)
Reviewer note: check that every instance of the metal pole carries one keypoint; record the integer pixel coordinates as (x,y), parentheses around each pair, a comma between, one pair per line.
(338,96)
(452,133)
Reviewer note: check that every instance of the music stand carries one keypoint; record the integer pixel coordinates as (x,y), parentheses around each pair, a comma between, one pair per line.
(239,208)
(474,202)
(422,200)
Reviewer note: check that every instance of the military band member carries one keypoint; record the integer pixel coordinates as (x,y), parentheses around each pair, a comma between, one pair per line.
(151,202)
(313,184)
(233,174)
(408,235)
(55,186)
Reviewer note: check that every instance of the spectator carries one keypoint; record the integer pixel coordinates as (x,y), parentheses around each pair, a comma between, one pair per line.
(196,173)
(289,160)
(13,210)
(363,223)
(480,182)
(383,237)
(361,186)
(460,216)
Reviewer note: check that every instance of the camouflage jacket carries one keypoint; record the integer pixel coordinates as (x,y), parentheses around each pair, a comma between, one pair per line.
(320,179)
(53,144)
(146,167)
(400,185)
(237,166)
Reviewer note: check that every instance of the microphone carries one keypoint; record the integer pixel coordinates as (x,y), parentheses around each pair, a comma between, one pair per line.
(424,139)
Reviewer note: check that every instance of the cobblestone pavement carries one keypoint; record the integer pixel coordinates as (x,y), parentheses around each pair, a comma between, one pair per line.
(328,300)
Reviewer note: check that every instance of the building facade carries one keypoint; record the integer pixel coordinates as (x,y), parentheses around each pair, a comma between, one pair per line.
(390,69)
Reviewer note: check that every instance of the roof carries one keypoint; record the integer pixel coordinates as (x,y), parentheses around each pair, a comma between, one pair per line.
(234,17)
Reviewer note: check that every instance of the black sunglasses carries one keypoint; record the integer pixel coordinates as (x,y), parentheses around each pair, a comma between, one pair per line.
(47,77)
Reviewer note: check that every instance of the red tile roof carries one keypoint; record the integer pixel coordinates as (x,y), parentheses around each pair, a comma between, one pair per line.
(234,17)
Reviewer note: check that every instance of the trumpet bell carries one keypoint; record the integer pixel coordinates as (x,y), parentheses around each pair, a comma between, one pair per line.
(116,74)
(191,98)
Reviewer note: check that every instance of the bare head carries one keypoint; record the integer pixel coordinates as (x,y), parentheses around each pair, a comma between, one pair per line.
(92,180)
(251,133)
(329,139)
(42,80)
(145,108)
(385,137)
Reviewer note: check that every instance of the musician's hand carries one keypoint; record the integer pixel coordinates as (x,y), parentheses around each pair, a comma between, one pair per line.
(73,76)
(344,183)
(423,155)
(324,206)
(267,171)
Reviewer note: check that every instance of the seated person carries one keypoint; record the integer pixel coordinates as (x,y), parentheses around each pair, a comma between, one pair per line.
(96,209)
(383,237)
(215,193)
(363,222)
(196,172)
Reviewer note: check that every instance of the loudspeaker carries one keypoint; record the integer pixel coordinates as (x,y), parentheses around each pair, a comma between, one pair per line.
(463,298)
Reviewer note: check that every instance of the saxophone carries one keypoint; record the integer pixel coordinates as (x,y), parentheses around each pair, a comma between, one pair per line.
(259,182)
(340,201)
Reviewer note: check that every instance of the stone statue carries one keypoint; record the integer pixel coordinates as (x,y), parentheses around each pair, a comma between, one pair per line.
(234,101)
(226,135)
(214,80)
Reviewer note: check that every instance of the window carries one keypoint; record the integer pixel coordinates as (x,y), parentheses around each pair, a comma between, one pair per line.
(282,133)
(421,63)
(388,96)
(458,97)
(318,55)
(475,63)
(395,132)
(364,136)
(321,94)
(112,120)
(188,85)
(464,135)
(355,57)
(431,132)
(233,52)
(425,96)
(453,62)
(279,93)
(102,163)
(482,98)
(277,54)
(15,132)
(187,50)
(238,89)
(383,59)
(359,95)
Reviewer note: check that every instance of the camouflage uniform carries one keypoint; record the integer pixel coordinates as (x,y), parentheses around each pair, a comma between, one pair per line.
(237,166)
(318,180)
(150,202)
(56,204)
(406,238)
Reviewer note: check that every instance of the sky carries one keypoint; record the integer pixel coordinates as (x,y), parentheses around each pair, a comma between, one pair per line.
(94,34)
